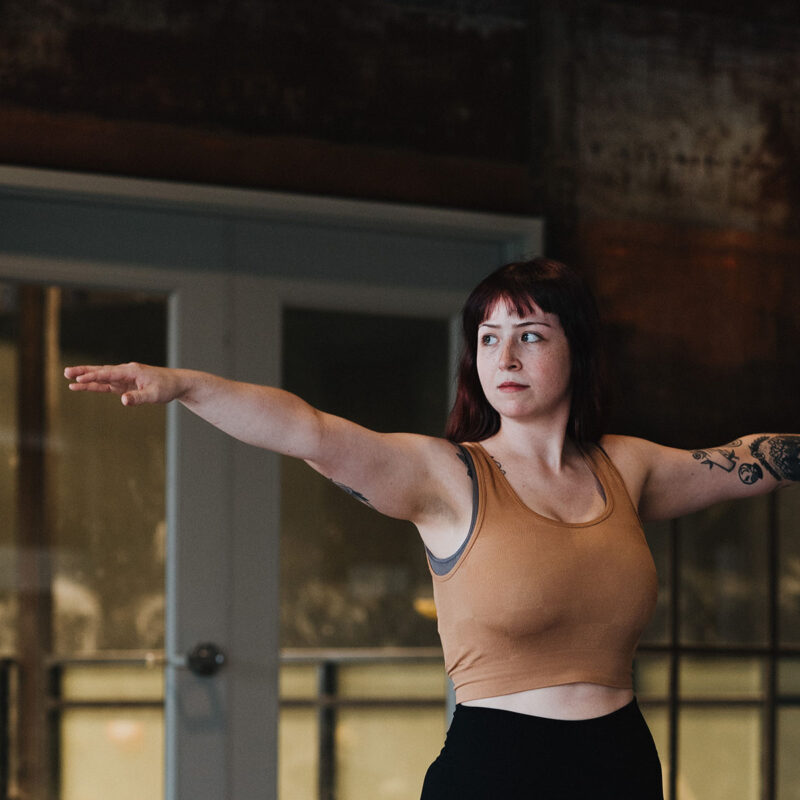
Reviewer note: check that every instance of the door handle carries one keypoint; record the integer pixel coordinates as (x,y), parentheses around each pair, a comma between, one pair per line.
(205,659)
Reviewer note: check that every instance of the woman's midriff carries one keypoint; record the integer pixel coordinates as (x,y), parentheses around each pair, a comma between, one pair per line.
(570,701)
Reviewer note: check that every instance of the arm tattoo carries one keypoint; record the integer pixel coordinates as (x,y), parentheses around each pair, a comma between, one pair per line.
(717,457)
(779,455)
(353,493)
(750,473)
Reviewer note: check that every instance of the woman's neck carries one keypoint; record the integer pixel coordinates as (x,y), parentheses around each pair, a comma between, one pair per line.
(550,444)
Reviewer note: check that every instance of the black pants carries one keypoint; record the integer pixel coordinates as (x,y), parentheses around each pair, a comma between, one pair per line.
(502,755)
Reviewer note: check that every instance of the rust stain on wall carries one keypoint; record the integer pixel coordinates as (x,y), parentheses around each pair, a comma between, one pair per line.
(687,117)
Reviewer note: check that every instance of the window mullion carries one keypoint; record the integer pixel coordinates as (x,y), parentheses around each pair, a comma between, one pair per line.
(770,721)
(674,665)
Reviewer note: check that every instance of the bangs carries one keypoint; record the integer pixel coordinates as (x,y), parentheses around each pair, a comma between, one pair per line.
(520,305)
(519,297)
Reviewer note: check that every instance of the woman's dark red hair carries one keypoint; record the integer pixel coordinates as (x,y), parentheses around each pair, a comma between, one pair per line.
(556,289)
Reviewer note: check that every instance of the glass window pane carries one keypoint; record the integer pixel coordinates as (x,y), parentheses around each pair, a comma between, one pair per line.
(112,682)
(720,753)
(721,676)
(349,576)
(108,487)
(393,680)
(298,761)
(657,718)
(659,538)
(724,584)
(298,681)
(788,508)
(788,778)
(651,676)
(789,676)
(115,753)
(383,754)
(8,468)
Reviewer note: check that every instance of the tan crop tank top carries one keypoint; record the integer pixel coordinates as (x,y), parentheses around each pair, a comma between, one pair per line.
(533,602)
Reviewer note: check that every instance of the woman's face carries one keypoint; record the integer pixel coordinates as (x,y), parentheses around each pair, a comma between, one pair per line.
(524,364)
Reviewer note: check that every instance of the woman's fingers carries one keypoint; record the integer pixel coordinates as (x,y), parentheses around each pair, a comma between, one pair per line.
(91,387)
(117,379)
(105,374)
(73,372)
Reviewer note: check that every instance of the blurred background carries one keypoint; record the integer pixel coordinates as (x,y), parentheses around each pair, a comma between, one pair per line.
(657,143)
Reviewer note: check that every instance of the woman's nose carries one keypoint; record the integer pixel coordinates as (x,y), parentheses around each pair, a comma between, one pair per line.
(508,357)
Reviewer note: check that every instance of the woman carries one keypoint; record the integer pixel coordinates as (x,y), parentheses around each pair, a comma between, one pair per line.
(531,520)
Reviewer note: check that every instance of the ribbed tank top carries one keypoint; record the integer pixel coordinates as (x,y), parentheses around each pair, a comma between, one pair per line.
(534,602)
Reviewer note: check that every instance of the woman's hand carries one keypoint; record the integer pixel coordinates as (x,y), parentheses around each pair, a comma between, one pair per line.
(137,384)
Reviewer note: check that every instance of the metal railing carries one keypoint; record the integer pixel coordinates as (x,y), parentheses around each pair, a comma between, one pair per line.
(56,704)
(326,700)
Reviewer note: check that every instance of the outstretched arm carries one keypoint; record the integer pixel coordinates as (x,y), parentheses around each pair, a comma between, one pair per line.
(670,482)
(394,473)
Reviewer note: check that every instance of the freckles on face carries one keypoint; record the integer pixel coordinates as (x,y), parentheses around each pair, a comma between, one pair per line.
(522,361)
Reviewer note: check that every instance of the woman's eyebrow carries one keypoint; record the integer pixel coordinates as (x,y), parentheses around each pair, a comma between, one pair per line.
(516,324)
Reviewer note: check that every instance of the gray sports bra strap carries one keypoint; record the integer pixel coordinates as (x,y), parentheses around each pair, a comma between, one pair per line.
(441,566)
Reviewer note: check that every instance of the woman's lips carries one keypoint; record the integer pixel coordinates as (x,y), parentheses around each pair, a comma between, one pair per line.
(510,386)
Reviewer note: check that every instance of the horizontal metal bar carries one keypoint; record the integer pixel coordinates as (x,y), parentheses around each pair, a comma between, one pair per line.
(328,701)
(717,700)
(362,655)
(721,650)
(111,658)
(64,705)
(291,656)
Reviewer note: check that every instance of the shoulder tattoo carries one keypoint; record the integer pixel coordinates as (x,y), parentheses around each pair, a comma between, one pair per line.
(499,465)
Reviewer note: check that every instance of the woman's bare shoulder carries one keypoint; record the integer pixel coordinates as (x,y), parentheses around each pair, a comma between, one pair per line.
(630,455)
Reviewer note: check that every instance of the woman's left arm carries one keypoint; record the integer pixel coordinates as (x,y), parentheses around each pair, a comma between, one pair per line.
(670,482)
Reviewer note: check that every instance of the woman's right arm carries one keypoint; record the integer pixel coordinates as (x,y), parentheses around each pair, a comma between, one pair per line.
(402,475)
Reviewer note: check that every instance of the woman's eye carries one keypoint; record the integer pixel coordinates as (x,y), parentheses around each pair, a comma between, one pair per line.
(488,338)
(530,336)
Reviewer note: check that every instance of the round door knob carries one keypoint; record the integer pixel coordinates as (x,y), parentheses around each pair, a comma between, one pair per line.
(205,659)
